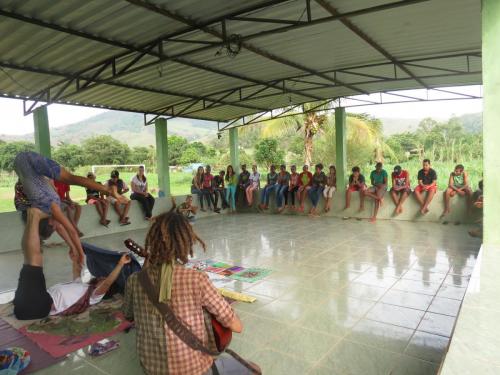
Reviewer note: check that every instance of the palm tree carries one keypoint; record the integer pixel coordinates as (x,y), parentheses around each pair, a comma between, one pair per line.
(309,123)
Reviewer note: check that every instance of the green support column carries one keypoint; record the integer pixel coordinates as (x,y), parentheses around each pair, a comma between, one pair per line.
(42,133)
(163,162)
(491,119)
(340,148)
(233,149)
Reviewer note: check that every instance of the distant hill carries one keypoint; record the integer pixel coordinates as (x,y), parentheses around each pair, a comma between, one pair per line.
(472,123)
(126,127)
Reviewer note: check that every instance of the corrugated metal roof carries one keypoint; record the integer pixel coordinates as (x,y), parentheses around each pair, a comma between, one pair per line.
(167,57)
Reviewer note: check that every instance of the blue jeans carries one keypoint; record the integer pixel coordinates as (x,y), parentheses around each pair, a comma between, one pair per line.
(315,193)
(195,190)
(266,193)
(231,196)
(281,195)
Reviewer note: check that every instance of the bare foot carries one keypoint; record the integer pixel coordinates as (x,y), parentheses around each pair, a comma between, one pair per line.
(37,213)
(373,219)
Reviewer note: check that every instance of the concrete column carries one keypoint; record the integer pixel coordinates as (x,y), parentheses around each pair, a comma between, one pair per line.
(42,133)
(162,158)
(491,119)
(340,148)
(233,149)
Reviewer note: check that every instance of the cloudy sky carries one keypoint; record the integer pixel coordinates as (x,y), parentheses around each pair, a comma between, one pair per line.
(12,120)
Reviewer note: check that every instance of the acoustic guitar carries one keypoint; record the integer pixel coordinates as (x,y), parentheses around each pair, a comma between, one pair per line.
(221,335)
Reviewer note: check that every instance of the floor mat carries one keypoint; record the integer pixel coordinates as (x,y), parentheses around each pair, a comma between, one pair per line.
(10,337)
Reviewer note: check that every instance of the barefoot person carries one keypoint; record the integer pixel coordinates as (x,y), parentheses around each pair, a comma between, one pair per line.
(316,191)
(305,182)
(378,178)
(458,184)
(96,198)
(356,183)
(121,206)
(35,172)
(400,188)
(33,301)
(254,185)
(294,185)
(72,209)
(170,242)
(330,188)
(427,182)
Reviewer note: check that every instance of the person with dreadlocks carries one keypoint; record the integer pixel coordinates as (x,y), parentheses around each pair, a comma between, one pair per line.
(169,243)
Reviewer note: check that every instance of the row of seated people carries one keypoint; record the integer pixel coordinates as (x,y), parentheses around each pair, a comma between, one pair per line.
(72,209)
(296,187)
(169,244)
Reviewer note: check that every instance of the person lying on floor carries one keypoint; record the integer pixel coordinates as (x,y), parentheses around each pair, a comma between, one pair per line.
(170,242)
(32,299)
(35,172)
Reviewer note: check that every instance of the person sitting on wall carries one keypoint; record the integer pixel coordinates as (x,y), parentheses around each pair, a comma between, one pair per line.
(243,183)
(378,178)
(401,189)
(477,200)
(187,209)
(220,190)
(254,185)
(427,182)
(294,185)
(141,194)
(271,186)
(119,188)
(316,191)
(356,183)
(208,189)
(282,192)
(458,184)
(72,209)
(305,183)
(170,242)
(197,185)
(330,188)
(96,198)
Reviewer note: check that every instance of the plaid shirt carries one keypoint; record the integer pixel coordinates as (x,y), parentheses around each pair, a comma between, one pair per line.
(191,292)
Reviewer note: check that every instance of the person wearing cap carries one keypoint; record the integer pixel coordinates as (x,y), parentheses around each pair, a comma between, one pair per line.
(378,178)
(401,189)
(96,198)
(282,192)
(120,187)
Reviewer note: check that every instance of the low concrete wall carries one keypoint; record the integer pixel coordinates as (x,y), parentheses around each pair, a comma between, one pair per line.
(411,208)
(12,227)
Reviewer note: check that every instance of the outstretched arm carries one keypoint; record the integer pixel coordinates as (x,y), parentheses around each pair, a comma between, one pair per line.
(108,281)
(71,179)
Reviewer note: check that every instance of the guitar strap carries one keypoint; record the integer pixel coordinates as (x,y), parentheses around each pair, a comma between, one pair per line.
(184,333)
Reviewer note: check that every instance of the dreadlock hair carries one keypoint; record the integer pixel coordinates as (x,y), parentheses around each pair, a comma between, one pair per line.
(171,237)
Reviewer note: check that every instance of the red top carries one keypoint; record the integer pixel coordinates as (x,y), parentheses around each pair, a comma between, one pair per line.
(401,180)
(62,189)
(207,180)
(305,179)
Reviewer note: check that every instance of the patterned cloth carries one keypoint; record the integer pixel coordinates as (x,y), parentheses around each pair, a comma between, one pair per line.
(34,172)
(191,292)
(21,201)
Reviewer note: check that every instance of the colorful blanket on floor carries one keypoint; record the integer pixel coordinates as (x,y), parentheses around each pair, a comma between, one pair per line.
(62,335)
(228,271)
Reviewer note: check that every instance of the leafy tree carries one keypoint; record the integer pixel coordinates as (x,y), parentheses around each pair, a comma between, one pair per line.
(198,146)
(176,146)
(140,155)
(71,156)
(8,152)
(104,149)
(267,152)
(190,155)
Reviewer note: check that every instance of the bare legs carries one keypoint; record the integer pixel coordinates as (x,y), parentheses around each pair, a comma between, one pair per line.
(348,200)
(122,211)
(398,198)
(378,197)
(424,204)
(102,207)
(450,193)
(31,238)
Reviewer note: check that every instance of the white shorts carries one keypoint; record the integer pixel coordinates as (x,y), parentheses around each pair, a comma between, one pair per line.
(329,190)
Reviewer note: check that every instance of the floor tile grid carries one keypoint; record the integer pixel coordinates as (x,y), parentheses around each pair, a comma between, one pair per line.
(365,317)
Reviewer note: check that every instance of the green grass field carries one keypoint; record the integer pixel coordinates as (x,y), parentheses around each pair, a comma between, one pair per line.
(180,182)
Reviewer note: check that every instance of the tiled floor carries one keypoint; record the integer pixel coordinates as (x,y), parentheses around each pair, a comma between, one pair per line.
(345,297)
